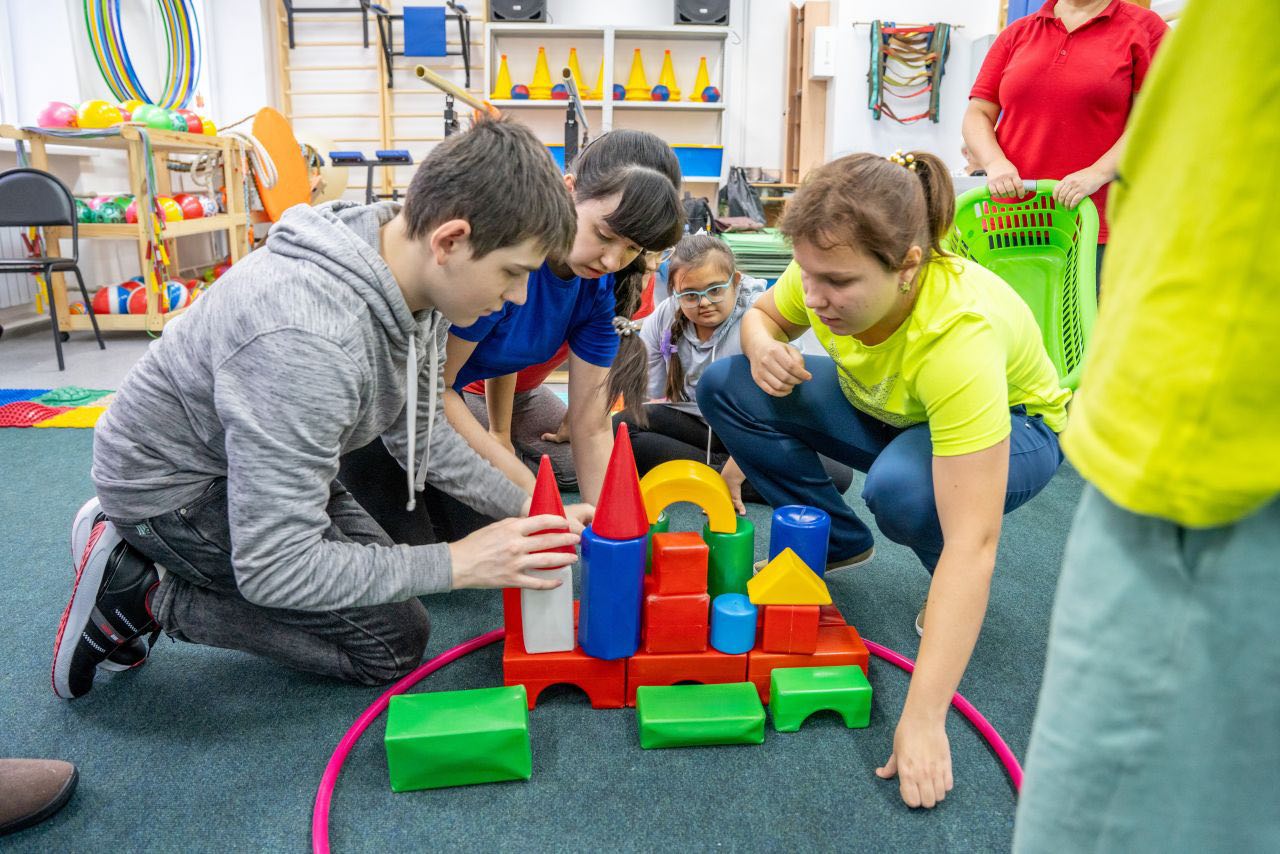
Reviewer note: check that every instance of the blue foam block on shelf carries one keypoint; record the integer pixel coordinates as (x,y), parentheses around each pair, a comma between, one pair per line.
(424,31)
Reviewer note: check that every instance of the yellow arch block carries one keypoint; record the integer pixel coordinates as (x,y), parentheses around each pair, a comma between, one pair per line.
(686,480)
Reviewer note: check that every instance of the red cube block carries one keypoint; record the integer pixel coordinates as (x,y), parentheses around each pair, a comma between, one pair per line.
(676,638)
(681,609)
(679,563)
(790,628)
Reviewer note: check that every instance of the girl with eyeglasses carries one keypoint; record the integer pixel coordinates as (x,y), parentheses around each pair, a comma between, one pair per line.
(696,325)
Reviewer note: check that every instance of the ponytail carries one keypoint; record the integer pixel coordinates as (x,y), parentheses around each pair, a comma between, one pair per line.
(628,377)
(939,198)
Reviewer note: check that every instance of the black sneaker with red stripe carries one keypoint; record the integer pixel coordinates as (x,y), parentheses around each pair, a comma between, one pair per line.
(135,652)
(110,607)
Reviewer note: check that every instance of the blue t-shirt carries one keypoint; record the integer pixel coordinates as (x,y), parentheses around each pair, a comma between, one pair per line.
(557,310)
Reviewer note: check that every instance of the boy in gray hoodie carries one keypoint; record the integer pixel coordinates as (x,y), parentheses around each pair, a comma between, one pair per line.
(219,517)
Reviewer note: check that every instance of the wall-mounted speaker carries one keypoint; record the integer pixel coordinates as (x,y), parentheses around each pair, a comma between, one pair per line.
(714,12)
(527,11)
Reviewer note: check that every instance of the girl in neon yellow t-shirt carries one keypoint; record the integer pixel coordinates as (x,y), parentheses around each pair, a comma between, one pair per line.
(937,386)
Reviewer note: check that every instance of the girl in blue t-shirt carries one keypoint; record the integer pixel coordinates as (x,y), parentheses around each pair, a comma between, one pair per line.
(625,187)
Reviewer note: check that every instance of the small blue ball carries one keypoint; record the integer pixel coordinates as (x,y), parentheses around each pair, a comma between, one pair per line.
(711,94)
(520,92)
(619,92)
(661,93)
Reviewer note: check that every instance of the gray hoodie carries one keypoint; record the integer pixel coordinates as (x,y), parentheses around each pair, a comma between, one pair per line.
(303,351)
(695,355)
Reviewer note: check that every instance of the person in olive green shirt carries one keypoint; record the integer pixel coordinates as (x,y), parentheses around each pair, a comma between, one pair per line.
(1158,727)
(937,386)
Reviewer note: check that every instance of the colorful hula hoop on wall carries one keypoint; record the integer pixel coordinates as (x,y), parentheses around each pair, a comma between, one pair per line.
(182,38)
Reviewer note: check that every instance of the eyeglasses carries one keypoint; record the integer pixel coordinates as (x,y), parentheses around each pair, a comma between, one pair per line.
(657,259)
(714,294)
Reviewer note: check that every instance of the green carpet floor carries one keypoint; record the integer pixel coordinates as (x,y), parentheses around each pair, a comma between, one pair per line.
(210,750)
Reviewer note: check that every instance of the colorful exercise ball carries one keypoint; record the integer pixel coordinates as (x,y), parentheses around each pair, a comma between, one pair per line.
(661,93)
(84,213)
(194,125)
(142,111)
(176,295)
(137,302)
(177,122)
(156,118)
(711,94)
(130,107)
(221,268)
(559,92)
(520,92)
(98,114)
(122,200)
(110,213)
(209,204)
(76,307)
(131,211)
(191,207)
(619,92)
(56,114)
(134,283)
(208,127)
(172,210)
(111,300)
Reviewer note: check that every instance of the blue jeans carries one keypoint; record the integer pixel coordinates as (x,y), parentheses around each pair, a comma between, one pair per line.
(776,442)
(1158,726)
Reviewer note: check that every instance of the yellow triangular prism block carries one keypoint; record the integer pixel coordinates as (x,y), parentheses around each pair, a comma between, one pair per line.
(787,580)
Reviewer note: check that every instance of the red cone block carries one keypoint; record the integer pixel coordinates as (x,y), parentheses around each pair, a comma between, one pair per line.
(620,514)
(546,501)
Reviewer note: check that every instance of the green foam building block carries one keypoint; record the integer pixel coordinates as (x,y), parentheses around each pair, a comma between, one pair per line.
(730,559)
(691,715)
(456,738)
(795,693)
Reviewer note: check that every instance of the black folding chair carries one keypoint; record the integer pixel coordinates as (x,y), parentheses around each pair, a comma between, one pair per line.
(33,197)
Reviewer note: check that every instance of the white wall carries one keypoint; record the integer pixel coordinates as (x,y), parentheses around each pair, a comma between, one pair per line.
(851,126)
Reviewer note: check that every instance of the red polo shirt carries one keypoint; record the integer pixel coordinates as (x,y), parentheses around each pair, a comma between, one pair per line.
(1065,97)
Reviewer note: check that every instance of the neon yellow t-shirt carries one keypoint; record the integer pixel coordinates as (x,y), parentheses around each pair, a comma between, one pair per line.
(969,351)
(1179,408)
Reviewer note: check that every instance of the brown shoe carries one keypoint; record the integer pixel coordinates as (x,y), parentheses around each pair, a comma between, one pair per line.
(31,790)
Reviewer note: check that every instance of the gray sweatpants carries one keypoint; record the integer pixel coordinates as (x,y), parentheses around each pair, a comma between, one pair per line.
(198,600)
(533,413)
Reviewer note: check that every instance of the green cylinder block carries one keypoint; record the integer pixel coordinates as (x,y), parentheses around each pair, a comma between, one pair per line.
(729,566)
(455,738)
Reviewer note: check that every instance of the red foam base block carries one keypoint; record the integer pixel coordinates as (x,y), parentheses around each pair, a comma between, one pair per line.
(604,682)
(836,645)
(707,668)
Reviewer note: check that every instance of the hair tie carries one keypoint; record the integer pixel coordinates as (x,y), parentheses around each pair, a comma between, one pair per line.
(665,347)
(907,161)
(625,327)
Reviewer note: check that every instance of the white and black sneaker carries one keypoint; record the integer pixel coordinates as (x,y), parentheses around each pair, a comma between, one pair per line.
(109,607)
(134,653)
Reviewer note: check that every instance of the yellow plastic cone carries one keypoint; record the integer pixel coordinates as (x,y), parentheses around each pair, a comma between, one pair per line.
(596,94)
(702,81)
(637,85)
(502,87)
(576,72)
(540,88)
(668,77)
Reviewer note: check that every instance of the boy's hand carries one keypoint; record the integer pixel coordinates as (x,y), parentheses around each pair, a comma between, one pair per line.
(499,555)
(579,516)
(921,759)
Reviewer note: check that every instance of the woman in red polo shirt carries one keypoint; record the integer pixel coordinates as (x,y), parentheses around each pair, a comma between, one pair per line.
(1061,82)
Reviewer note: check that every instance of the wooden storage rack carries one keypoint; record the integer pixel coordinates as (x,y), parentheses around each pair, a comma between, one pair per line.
(163,145)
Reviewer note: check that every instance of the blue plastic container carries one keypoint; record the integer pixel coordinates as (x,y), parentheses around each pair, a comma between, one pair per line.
(700,161)
(804,530)
(612,590)
(557,152)
(733,623)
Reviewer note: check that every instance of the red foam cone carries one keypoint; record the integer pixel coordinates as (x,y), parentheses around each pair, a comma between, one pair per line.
(620,514)
(546,501)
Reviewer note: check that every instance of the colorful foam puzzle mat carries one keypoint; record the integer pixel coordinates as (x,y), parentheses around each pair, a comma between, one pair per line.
(68,406)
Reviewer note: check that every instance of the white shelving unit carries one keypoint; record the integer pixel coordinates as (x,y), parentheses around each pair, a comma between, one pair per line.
(682,122)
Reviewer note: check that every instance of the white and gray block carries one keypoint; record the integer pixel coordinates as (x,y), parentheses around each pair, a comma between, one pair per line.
(548,614)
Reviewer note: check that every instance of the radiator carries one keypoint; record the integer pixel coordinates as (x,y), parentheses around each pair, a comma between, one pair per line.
(15,288)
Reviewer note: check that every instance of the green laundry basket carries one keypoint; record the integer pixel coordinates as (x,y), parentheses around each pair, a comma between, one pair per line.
(1046,253)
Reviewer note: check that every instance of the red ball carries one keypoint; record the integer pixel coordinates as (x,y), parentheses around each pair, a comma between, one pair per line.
(194,124)
(219,269)
(138,301)
(191,205)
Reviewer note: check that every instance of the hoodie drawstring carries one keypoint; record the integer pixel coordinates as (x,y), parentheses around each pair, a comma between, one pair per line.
(714,344)
(418,477)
